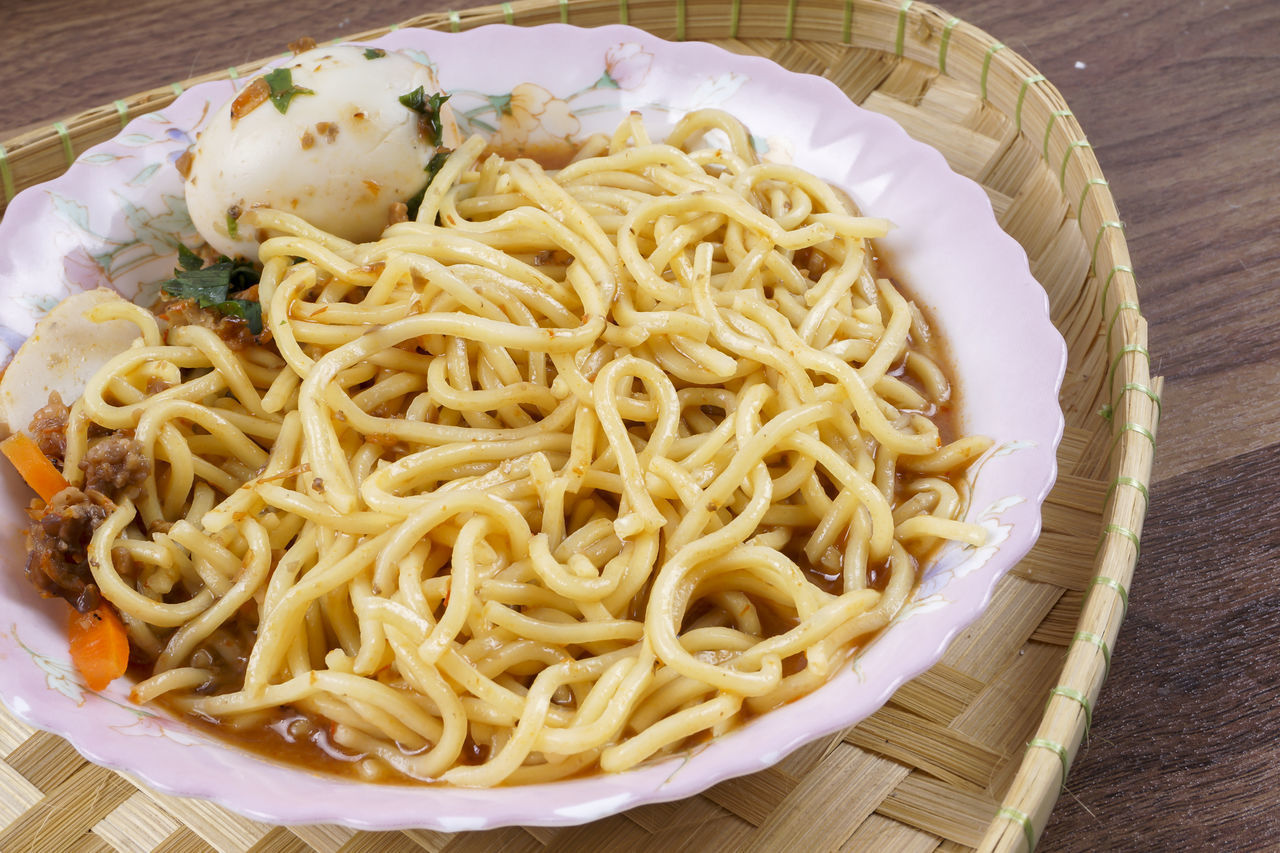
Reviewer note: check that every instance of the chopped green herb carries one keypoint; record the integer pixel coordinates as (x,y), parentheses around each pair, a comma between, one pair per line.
(436,163)
(280,82)
(250,312)
(415,201)
(374,53)
(433,167)
(210,286)
(188,259)
(415,100)
(233,227)
(429,108)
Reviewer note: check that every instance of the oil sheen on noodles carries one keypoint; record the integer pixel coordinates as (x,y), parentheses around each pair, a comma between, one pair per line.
(573,470)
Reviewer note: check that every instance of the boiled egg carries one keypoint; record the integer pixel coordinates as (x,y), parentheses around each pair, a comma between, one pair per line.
(331,142)
(73,341)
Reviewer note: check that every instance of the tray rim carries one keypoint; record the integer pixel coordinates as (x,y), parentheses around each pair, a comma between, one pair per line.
(1006,81)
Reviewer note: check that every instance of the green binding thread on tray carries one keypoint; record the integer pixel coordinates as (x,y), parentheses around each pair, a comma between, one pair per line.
(847,33)
(1090,184)
(1048,128)
(1124,350)
(1095,640)
(1107,284)
(6,177)
(122,110)
(1058,750)
(1062,173)
(1143,389)
(564,11)
(735,13)
(900,42)
(791,20)
(1080,699)
(1130,426)
(624,14)
(986,67)
(509,14)
(176,88)
(680,18)
(65,136)
(1097,240)
(1132,483)
(1022,96)
(1123,306)
(1117,587)
(1012,814)
(1123,531)
(945,43)
(455,21)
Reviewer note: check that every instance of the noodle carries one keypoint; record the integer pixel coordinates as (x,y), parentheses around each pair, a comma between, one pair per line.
(549,478)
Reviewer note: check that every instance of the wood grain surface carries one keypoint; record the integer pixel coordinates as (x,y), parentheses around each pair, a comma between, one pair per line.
(1181,102)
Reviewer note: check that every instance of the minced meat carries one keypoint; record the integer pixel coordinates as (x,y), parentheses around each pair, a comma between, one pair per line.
(58,562)
(115,466)
(233,330)
(49,428)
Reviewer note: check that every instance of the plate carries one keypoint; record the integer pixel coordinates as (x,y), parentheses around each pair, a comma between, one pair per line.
(116,217)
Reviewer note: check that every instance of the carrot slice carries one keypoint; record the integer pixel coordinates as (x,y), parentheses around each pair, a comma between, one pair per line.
(99,646)
(33,465)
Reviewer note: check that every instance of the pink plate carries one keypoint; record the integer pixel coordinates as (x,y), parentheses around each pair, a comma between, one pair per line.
(115,218)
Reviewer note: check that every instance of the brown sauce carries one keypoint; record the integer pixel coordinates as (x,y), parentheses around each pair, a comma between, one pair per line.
(284,734)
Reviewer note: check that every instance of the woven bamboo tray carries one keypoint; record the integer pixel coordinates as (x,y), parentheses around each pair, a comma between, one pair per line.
(973,753)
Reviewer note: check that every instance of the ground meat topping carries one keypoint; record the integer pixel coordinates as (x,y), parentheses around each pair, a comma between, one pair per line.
(115,466)
(58,562)
(233,330)
(49,428)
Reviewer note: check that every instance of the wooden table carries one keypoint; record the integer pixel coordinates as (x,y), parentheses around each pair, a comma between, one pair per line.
(1181,102)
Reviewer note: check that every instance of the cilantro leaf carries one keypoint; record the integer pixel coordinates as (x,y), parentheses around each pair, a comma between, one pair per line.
(209,287)
(374,53)
(249,311)
(429,109)
(188,259)
(415,100)
(413,202)
(280,82)
(436,163)
(432,169)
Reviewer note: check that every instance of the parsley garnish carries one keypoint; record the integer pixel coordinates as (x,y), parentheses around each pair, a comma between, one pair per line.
(415,100)
(434,165)
(188,259)
(280,82)
(374,53)
(210,286)
(429,108)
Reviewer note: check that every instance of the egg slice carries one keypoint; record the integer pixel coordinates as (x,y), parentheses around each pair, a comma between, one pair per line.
(340,154)
(63,353)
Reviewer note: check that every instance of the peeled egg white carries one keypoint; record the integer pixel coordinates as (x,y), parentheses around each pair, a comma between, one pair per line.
(63,353)
(338,158)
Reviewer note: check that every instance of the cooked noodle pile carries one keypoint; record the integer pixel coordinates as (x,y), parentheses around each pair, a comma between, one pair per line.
(573,469)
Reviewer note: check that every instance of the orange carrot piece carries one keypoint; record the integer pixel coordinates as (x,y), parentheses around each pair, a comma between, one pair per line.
(99,646)
(33,465)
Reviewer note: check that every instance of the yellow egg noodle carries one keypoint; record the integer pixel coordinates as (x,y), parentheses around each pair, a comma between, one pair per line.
(539,482)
